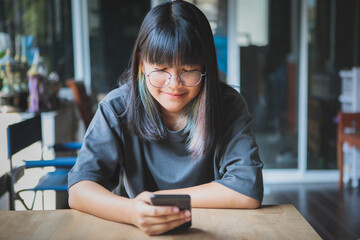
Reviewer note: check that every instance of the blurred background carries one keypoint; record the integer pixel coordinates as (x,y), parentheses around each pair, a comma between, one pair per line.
(296,62)
(284,56)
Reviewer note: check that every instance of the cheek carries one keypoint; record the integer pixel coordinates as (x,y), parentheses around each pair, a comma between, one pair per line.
(153,91)
(195,91)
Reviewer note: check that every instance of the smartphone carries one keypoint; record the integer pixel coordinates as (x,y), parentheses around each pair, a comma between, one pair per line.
(182,201)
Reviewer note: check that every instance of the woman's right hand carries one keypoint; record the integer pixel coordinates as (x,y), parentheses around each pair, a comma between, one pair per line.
(155,220)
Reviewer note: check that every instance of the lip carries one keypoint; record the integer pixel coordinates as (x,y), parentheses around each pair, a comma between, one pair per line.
(174,95)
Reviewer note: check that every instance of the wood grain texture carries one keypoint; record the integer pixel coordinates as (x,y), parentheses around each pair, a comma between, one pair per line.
(268,222)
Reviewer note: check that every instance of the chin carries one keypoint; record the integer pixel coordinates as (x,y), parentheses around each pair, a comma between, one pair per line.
(172,109)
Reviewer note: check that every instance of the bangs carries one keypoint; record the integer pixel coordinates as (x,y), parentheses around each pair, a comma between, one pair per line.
(172,46)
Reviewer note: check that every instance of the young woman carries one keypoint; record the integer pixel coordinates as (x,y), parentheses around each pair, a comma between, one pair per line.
(172,127)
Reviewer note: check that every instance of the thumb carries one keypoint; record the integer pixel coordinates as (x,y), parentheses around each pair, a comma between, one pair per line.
(144,196)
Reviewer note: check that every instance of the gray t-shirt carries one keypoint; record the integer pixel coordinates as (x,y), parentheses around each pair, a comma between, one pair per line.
(150,166)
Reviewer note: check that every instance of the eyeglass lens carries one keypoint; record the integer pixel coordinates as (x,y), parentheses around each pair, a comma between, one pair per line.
(163,78)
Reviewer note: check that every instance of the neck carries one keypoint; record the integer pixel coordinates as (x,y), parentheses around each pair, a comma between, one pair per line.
(172,121)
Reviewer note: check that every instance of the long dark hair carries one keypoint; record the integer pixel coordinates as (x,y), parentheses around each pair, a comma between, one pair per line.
(175,33)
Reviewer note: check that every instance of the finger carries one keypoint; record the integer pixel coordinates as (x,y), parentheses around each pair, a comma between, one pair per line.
(168,218)
(165,227)
(156,211)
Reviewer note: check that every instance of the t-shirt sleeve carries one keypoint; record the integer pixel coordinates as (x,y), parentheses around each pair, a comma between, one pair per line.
(240,167)
(100,155)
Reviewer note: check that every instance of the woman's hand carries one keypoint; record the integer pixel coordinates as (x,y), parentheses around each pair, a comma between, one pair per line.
(155,220)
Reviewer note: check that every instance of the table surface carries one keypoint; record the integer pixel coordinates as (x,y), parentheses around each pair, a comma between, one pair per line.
(267,222)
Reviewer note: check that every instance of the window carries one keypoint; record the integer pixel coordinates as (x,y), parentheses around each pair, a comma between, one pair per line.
(44,27)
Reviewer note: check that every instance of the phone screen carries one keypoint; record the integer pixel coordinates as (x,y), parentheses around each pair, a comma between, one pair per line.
(182,201)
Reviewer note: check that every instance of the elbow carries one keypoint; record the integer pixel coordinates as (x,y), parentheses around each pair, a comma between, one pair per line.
(72,198)
(253,203)
(246,202)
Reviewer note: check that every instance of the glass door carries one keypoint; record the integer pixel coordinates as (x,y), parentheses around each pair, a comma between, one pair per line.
(266,34)
(113,28)
(268,39)
(333,45)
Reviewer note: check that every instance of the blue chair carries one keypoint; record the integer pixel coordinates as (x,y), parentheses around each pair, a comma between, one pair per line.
(20,136)
(67,146)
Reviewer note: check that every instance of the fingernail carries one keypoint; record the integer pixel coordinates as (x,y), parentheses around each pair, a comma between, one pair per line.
(175,210)
(187,213)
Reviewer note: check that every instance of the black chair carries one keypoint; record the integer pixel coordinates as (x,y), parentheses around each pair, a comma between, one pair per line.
(83,103)
(4,184)
(82,100)
(20,136)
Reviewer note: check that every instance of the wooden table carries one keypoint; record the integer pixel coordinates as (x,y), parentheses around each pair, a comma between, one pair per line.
(268,222)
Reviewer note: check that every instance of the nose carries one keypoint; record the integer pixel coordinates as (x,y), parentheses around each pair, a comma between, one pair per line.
(174,81)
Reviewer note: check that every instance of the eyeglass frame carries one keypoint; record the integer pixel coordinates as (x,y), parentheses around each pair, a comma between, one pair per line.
(174,75)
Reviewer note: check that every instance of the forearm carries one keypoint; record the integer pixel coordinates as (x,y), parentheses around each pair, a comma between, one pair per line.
(90,197)
(215,195)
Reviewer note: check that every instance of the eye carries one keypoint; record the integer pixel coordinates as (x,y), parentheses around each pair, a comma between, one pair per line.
(160,68)
(189,68)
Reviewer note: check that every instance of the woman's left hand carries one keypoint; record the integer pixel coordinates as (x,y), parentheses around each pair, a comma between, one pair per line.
(144,196)
(154,220)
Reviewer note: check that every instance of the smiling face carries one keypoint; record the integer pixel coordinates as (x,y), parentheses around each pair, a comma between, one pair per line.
(174,97)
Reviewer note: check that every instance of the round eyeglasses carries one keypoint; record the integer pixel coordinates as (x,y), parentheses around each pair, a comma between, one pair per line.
(160,78)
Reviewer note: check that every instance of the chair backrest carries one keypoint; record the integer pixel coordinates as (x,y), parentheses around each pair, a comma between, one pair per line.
(4,184)
(23,134)
(82,100)
(348,120)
